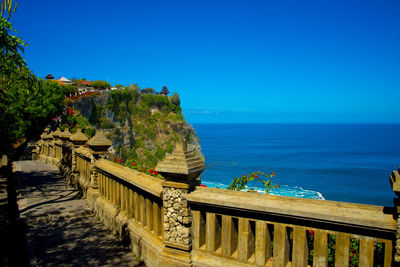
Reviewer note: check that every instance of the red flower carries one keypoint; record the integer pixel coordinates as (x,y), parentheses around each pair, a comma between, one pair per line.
(243,175)
(273,174)
(312,232)
(156,173)
(133,164)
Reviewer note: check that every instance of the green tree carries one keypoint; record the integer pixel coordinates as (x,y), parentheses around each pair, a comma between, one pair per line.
(147,91)
(26,104)
(70,88)
(175,99)
(100,84)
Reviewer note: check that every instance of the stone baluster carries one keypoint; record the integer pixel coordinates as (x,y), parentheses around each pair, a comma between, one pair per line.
(57,147)
(50,153)
(395,183)
(98,145)
(66,148)
(78,139)
(41,145)
(180,169)
(45,145)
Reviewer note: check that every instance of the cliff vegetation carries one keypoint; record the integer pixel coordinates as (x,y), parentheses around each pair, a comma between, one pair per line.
(143,125)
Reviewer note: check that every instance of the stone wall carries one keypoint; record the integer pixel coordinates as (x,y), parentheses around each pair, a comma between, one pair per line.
(177,219)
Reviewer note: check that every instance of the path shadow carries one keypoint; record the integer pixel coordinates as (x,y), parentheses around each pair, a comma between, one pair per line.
(62,228)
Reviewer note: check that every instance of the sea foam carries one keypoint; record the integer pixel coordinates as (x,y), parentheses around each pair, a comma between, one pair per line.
(283,190)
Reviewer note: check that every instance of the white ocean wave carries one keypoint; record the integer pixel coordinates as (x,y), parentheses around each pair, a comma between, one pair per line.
(284,190)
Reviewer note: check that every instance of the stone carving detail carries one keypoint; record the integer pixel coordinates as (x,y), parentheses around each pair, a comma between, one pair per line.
(177,217)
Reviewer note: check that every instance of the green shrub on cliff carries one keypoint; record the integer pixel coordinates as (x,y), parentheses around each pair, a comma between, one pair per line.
(150,123)
(100,84)
(106,123)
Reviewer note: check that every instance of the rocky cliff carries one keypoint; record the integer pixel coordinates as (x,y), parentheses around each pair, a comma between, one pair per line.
(142,127)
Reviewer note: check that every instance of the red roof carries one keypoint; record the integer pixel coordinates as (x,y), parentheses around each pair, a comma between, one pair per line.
(84,82)
(59,82)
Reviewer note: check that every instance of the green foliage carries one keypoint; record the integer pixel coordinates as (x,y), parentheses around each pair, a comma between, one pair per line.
(89,131)
(26,107)
(122,113)
(152,118)
(80,121)
(142,167)
(67,102)
(11,47)
(139,143)
(69,88)
(175,99)
(161,102)
(118,86)
(169,148)
(100,84)
(26,104)
(95,114)
(106,123)
(354,252)
(147,91)
(7,9)
(160,153)
(241,183)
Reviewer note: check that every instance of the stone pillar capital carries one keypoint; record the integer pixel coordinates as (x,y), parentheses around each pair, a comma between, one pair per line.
(99,144)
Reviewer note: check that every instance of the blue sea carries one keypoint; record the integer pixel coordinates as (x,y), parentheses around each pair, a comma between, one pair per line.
(342,162)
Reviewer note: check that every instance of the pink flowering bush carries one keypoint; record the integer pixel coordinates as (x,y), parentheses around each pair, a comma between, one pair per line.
(130,163)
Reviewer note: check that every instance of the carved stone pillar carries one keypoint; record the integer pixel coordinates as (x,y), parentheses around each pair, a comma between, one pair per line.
(180,169)
(57,146)
(78,139)
(66,160)
(98,145)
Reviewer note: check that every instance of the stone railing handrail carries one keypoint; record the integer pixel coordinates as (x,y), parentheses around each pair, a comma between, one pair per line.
(83,151)
(143,181)
(348,214)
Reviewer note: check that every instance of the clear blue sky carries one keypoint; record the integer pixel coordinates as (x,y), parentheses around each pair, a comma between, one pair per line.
(230,61)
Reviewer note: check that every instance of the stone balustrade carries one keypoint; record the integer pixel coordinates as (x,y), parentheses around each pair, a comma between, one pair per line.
(130,204)
(175,222)
(241,228)
(83,159)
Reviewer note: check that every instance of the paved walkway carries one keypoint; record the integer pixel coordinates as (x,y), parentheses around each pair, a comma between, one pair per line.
(61,229)
(3,220)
